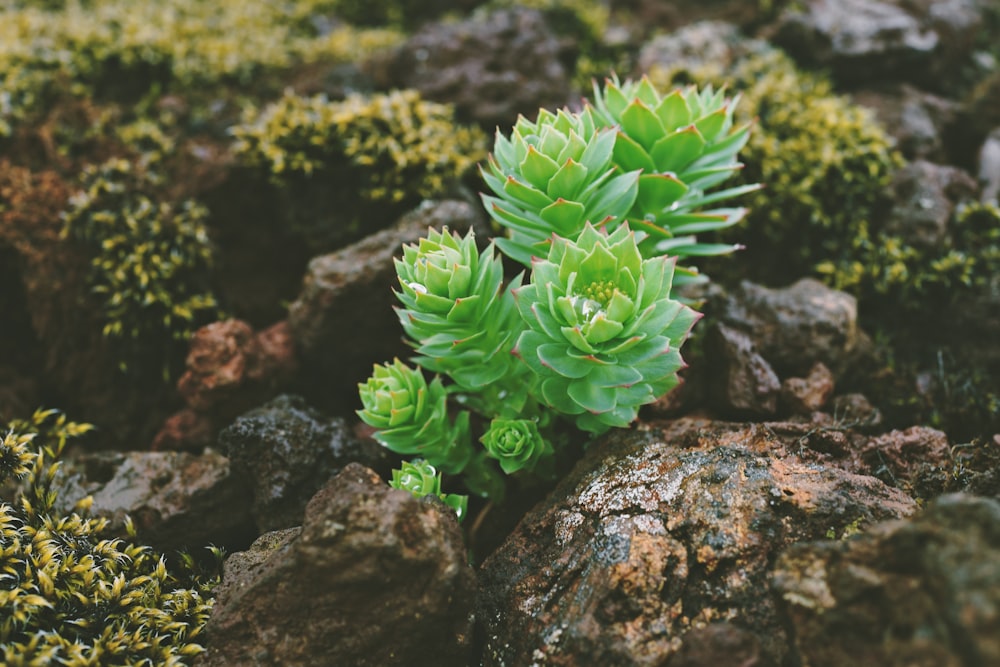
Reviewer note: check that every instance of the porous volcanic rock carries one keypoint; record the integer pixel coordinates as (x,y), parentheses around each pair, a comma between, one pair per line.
(803,396)
(374,578)
(922,592)
(657,534)
(925,196)
(741,382)
(286,451)
(491,67)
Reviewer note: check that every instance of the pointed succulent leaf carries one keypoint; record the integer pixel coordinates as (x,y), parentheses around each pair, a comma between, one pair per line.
(673,111)
(537,168)
(659,191)
(568,181)
(525,193)
(639,123)
(564,217)
(630,155)
(676,151)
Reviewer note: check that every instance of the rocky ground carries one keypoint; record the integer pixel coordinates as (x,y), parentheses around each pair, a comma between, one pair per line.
(808,496)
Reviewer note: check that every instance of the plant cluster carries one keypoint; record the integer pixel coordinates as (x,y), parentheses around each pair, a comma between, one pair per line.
(826,163)
(73,594)
(366,159)
(593,202)
(150,261)
(127,47)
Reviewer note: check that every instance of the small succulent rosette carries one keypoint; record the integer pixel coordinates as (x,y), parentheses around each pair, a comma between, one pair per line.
(411,416)
(455,309)
(552,176)
(684,143)
(422,479)
(516,444)
(604,334)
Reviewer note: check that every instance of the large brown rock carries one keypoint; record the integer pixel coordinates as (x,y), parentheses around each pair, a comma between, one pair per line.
(923,592)
(374,578)
(657,535)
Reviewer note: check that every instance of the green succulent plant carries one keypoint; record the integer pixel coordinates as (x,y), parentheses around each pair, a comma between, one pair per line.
(551,177)
(411,417)
(422,479)
(516,444)
(456,310)
(685,143)
(604,334)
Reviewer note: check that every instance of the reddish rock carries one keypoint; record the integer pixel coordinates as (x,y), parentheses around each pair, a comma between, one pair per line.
(657,535)
(742,383)
(803,396)
(374,578)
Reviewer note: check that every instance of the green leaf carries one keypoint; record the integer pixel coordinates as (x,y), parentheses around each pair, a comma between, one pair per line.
(600,329)
(615,199)
(614,101)
(600,149)
(712,124)
(599,264)
(676,151)
(537,168)
(657,192)
(640,123)
(568,181)
(592,397)
(674,111)
(556,357)
(566,217)
(631,156)
(525,194)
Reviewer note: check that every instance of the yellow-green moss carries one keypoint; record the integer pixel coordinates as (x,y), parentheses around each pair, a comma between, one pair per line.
(150,260)
(71,593)
(354,165)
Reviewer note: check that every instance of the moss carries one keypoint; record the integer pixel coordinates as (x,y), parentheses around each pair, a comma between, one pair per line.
(150,262)
(400,13)
(346,168)
(826,165)
(72,593)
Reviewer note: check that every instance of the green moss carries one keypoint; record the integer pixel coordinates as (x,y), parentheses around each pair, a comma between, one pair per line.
(825,164)
(344,168)
(150,262)
(400,13)
(73,594)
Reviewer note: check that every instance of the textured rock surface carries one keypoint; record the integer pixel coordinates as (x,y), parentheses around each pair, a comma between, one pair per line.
(796,326)
(491,67)
(919,121)
(285,452)
(923,592)
(176,500)
(741,383)
(925,196)
(343,320)
(803,396)
(989,167)
(657,534)
(375,577)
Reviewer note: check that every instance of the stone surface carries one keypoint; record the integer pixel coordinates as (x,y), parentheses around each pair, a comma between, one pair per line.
(803,396)
(491,67)
(655,535)
(741,382)
(343,320)
(925,195)
(864,40)
(374,578)
(919,121)
(923,592)
(796,326)
(704,44)
(285,452)
(989,167)
(176,500)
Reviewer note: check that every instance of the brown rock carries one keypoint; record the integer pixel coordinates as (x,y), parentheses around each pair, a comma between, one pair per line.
(803,396)
(653,536)
(742,383)
(375,577)
(922,592)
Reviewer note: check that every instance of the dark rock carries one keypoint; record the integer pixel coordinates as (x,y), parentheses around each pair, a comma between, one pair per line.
(176,500)
(491,67)
(925,195)
(702,46)
(918,592)
(654,535)
(343,321)
(229,369)
(741,383)
(376,577)
(919,121)
(855,409)
(718,643)
(919,41)
(286,452)
(803,396)
(796,326)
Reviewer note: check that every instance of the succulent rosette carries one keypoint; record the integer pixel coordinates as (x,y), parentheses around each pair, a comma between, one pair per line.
(516,444)
(422,479)
(552,176)
(604,334)
(685,143)
(411,416)
(456,310)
